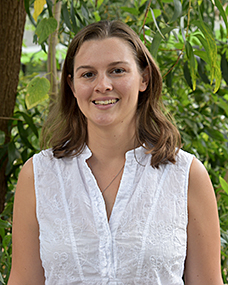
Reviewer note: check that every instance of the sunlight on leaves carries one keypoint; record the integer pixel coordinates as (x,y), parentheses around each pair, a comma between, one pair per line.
(37,91)
(38,8)
(223,14)
(45,28)
(208,42)
(224,184)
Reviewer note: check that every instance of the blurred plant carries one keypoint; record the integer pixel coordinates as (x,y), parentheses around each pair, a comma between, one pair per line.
(188,39)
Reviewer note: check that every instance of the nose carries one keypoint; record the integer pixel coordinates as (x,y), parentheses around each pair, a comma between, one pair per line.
(103,84)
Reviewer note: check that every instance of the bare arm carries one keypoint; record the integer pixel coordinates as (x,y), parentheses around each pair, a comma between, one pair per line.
(26,263)
(203,250)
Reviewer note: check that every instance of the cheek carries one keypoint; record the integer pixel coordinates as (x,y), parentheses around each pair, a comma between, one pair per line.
(129,86)
(124,84)
(81,91)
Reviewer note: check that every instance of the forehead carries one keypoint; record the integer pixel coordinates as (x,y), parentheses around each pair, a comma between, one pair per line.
(108,49)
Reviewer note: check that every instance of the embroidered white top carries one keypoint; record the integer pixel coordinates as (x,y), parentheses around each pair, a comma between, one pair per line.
(144,242)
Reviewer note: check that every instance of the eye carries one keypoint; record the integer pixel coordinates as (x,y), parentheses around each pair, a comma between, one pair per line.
(118,71)
(88,74)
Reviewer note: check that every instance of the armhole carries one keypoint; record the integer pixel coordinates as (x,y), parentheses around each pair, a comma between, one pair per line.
(190,160)
(34,161)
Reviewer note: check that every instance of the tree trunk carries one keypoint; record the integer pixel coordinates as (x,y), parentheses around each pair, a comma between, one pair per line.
(52,69)
(12,22)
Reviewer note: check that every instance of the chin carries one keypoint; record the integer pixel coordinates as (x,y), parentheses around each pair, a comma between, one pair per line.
(101,121)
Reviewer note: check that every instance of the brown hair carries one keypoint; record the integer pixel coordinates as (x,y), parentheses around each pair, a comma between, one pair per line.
(66,128)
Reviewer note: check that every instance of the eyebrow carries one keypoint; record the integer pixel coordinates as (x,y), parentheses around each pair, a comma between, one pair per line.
(109,65)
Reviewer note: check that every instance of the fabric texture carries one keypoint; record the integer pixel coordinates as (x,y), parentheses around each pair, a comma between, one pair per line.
(144,242)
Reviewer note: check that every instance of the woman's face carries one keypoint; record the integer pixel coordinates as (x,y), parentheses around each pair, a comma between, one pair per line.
(107,82)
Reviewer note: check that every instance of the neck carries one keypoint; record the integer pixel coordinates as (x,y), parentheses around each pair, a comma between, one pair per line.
(109,144)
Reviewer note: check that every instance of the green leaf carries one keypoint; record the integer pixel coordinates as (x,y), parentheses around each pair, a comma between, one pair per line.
(65,15)
(29,120)
(223,14)
(182,28)
(215,134)
(157,12)
(37,91)
(4,224)
(99,3)
(188,49)
(210,46)
(1,279)
(224,105)
(49,6)
(26,3)
(201,70)
(73,17)
(85,12)
(142,2)
(13,154)
(97,16)
(217,75)
(155,45)
(157,40)
(132,11)
(190,55)
(192,124)
(168,79)
(224,184)
(207,41)
(23,134)
(80,19)
(45,28)
(202,54)
(7,241)
(2,232)
(187,75)
(177,10)
(224,67)
(155,22)
(2,137)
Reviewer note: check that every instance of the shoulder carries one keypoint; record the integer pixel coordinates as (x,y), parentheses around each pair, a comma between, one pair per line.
(202,200)
(26,173)
(25,185)
(26,262)
(203,247)
(199,180)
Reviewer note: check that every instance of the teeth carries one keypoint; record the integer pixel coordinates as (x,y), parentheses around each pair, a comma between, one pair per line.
(106,102)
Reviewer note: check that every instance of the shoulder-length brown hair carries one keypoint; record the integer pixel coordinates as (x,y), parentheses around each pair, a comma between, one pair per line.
(66,127)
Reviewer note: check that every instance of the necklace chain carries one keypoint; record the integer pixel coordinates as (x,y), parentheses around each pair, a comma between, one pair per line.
(112,180)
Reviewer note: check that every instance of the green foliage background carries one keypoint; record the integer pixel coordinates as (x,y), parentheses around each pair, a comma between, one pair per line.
(188,39)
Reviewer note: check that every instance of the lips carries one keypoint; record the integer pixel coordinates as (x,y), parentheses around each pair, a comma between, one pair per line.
(105,102)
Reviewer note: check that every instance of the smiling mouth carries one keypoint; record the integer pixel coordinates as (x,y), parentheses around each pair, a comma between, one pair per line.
(105,102)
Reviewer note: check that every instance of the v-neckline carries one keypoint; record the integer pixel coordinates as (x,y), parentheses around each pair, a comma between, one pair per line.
(123,194)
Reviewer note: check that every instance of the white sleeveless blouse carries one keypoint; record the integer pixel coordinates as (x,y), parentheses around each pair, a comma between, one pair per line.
(144,242)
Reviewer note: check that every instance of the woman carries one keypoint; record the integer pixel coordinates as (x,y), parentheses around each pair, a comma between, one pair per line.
(114,200)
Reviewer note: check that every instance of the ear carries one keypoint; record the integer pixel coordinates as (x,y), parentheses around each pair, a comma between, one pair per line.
(145,79)
(71,84)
